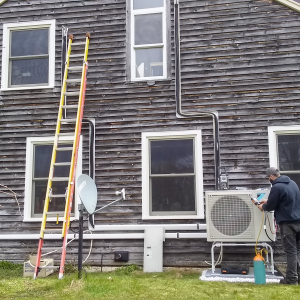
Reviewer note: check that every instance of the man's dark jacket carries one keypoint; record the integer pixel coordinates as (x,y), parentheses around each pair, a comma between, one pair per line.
(284,199)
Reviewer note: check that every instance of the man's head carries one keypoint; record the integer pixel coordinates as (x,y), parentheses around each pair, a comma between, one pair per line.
(272,173)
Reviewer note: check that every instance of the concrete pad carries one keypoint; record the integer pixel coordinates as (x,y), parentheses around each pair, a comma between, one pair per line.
(207,275)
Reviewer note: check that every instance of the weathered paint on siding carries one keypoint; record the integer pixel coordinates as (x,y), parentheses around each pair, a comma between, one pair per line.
(240,58)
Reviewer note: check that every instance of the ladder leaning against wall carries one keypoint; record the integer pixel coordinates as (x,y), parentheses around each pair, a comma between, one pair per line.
(73,89)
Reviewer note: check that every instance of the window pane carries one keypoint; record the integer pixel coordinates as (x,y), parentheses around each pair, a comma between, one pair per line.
(42,160)
(148,29)
(172,156)
(173,194)
(141,4)
(39,193)
(149,62)
(63,156)
(29,71)
(29,42)
(289,152)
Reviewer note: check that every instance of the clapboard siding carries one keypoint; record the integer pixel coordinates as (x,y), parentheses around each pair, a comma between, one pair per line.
(240,58)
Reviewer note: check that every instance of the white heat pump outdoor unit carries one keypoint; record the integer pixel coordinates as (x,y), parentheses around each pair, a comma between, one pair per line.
(232,217)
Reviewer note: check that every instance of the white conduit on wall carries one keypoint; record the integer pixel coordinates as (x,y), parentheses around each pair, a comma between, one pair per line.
(125,235)
(144,226)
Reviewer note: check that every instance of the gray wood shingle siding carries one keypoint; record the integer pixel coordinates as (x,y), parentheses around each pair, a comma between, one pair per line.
(240,58)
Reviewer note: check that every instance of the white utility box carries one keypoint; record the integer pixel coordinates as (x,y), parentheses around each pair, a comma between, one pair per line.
(153,249)
(29,270)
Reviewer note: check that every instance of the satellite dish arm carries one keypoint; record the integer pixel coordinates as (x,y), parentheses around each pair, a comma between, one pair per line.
(122,192)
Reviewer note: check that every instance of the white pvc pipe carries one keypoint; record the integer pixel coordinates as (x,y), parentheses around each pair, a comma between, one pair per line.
(144,226)
(186,235)
(102,236)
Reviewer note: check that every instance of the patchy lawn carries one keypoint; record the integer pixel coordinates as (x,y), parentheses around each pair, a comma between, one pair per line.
(129,283)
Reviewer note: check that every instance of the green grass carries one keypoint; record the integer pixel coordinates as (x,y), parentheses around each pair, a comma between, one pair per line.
(131,283)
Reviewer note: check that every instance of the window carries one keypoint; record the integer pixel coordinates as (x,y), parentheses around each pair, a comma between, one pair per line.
(284,149)
(148,39)
(172,184)
(28,57)
(38,158)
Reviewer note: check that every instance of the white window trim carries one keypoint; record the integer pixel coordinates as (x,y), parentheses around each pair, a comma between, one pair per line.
(5,53)
(133,13)
(273,131)
(146,136)
(30,142)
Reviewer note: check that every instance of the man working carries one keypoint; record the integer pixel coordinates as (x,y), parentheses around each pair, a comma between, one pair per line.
(284,199)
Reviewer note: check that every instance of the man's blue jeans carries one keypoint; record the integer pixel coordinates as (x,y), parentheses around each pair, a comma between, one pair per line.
(290,238)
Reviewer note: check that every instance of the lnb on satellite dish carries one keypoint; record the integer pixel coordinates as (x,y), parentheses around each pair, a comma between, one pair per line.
(87,191)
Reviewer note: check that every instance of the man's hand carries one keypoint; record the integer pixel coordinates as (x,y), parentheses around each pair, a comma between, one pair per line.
(260,206)
(263,201)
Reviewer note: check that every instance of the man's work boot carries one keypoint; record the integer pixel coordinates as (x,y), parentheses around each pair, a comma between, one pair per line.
(283,281)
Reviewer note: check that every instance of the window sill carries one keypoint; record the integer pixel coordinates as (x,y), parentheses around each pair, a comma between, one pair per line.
(148,79)
(27,88)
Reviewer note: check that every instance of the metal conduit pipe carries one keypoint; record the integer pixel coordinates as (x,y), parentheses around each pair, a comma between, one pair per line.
(179,112)
(92,139)
(92,142)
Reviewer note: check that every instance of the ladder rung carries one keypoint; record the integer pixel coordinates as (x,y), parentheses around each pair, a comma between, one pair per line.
(73,80)
(64,149)
(65,134)
(57,196)
(75,68)
(60,179)
(79,43)
(76,55)
(68,120)
(55,213)
(52,230)
(62,164)
(69,106)
(71,93)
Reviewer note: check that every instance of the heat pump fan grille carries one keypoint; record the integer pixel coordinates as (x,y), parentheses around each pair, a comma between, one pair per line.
(230,215)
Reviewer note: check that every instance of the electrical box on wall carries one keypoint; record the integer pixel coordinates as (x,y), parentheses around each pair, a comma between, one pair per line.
(121,256)
(153,249)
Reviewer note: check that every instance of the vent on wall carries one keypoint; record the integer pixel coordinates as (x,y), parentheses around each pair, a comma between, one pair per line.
(232,217)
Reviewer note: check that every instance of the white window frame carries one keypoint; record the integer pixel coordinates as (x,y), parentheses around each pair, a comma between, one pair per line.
(135,12)
(7,28)
(148,136)
(30,143)
(273,132)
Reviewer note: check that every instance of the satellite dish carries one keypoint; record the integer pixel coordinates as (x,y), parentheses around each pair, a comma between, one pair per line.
(87,191)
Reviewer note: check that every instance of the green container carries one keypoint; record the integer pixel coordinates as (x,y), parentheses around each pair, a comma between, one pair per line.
(259,272)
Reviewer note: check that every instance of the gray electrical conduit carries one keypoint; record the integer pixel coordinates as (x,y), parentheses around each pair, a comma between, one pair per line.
(179,112)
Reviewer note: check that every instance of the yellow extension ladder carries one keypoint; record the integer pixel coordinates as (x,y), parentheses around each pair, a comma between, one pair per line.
(73,89)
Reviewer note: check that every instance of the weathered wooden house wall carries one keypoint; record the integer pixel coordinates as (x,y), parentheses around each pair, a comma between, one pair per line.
(240,58)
